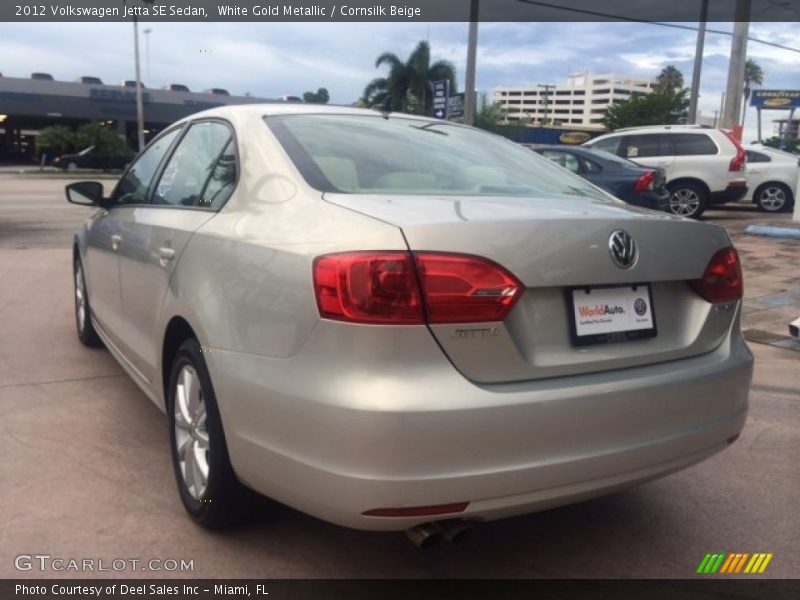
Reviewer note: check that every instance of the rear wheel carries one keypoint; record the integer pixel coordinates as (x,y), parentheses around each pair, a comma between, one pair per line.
(208,487)
(773,197)
(687,200)
(83,313)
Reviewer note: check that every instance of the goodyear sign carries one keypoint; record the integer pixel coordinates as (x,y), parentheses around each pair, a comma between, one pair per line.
(775,99)
(574,137)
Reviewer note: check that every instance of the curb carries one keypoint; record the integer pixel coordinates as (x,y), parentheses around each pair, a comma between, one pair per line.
(772,231)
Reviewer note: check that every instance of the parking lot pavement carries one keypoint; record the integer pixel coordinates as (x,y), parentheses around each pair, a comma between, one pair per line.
(772,275)
(85,473)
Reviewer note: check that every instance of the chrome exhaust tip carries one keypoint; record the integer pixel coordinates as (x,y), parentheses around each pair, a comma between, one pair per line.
(426,536)
(455,531)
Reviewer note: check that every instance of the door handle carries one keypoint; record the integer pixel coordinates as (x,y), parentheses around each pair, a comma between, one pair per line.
(115,240)
(165,254)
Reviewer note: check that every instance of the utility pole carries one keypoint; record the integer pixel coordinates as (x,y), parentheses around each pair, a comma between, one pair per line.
(733,94)
(694,95)
(469,79)
(547,89)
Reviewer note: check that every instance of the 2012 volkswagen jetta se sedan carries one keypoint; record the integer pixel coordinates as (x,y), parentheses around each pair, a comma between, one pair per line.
(388,321)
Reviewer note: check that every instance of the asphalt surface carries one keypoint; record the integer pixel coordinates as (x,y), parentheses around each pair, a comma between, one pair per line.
(85,471)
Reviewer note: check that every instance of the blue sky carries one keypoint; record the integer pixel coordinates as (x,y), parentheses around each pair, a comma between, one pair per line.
(274,59)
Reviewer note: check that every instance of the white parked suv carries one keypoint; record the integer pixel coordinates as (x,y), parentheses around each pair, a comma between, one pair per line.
(772,177)
(703,166)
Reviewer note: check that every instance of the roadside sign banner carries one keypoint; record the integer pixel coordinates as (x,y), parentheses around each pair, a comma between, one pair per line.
(775,99)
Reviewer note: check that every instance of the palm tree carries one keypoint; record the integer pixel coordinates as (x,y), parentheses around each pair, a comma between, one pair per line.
(407,87)
(670,79)
(753,74)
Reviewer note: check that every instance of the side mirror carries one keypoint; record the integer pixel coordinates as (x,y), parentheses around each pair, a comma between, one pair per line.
(85,193)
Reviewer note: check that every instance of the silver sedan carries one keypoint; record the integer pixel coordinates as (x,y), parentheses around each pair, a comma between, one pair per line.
(398,323)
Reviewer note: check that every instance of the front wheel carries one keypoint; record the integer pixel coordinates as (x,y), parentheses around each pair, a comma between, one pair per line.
(687,200)
(83,312)
(208,487)
(774,197)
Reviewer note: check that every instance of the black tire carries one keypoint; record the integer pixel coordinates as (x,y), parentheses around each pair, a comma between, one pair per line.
(687,199)
(773,197)
(83,322)
(225,501)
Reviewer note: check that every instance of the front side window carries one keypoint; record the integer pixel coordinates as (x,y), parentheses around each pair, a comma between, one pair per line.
(367,154)
(192,164)
(132,189)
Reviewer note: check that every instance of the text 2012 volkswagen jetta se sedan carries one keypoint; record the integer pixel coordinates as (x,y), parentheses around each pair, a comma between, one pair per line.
(388,321)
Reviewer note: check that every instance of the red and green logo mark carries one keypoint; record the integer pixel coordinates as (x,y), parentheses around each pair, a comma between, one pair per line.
(734,563)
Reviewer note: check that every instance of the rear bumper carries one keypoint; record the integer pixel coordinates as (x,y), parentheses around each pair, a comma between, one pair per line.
(334,441)
(734,192)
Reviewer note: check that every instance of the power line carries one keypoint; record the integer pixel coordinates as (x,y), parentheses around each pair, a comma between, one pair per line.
(612,17)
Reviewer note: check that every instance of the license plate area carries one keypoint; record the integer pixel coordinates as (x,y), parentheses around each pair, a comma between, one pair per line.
(604,314)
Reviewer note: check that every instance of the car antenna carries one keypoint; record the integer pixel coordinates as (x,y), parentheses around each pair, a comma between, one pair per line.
(384,107)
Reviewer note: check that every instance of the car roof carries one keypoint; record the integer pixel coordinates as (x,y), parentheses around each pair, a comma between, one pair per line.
(293,108)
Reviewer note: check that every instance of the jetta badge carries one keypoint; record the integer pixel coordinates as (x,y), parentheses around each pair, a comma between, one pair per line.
(623,249)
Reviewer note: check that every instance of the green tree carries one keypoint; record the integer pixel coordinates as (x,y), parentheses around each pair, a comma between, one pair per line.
(407,86)
(753,75)
(670,79)
(789,145)
(657,108)
(321,96)
(56,140)
(103,138)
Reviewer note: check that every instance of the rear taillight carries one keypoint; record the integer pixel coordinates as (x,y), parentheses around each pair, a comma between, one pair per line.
(646,183)
(368,287)
(722,280)
(737,162)
(465,289)
(398,288)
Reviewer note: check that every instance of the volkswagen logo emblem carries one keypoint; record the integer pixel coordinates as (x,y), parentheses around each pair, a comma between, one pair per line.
(623,249)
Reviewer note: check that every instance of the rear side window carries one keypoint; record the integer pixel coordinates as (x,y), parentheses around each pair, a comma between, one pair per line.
(651,144)
(610,145)
(565,159)
(693,144)
(132,189)
(193,165)
(757,157)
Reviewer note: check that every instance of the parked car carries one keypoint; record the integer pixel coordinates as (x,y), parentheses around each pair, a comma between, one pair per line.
(620,177)
(703,166)
(42,77)
(398,323)
(131,83)
(89,158)
(794,328)
(177,87)
(772,175)
(88,79)
(217,92)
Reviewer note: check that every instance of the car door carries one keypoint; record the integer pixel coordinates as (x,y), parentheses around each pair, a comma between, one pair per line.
(105,235)
(186,195)
(652,150)
(758,165)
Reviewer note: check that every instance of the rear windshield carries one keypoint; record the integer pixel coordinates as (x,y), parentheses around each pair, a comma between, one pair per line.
(399,155)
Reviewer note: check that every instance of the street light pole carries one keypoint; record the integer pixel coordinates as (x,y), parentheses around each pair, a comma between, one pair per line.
(698,63)
(146,33)
(139,102)
(469,79)
(733,94)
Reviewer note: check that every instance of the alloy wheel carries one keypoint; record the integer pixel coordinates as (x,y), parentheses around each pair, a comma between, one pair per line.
(684,202)
(191,434)
(80,298)
(772,198)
